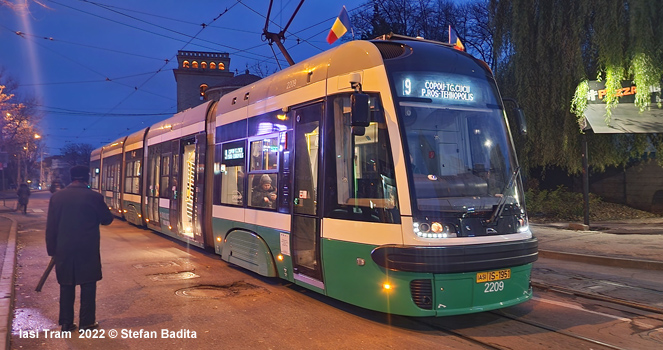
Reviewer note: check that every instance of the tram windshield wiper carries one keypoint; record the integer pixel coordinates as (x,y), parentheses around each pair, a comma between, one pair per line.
(502,203)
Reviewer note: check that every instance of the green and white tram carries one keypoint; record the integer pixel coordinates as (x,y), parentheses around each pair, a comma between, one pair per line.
(380,173)
(420,213)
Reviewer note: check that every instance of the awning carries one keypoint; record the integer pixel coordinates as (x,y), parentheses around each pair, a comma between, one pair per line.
(625,119)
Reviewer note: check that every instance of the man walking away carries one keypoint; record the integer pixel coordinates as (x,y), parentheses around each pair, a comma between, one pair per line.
(23,197)
(72,239)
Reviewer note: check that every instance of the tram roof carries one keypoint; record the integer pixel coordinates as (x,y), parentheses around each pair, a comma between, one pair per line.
(136,137)
(347,58)
(117,144)
(96,154)
(180,121)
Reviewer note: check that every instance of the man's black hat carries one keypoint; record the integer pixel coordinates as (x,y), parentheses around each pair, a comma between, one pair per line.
(80,173)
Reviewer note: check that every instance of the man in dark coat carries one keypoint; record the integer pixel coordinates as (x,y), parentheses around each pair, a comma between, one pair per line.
(23,197)
(72,239)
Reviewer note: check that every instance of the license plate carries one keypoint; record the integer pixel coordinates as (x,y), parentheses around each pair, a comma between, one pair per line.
(493,275)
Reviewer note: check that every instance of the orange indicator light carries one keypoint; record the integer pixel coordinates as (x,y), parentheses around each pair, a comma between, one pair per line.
(387,286)
(279,257)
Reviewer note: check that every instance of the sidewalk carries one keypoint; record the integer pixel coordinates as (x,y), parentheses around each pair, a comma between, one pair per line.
(625,243)
(8,228)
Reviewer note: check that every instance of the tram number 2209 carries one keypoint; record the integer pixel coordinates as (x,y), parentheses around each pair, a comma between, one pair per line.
(494,287)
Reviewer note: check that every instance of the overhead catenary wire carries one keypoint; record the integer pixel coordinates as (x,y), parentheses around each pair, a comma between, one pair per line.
(203,26)
(237,50)
(78,63)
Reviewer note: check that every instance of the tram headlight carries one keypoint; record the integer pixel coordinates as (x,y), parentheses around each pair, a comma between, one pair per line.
(523,224)
(434,229)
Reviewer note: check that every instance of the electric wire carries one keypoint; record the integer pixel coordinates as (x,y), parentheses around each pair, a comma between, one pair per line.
(203,26)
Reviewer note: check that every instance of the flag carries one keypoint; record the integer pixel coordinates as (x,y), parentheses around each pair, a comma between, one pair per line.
(455,40)
(340,27)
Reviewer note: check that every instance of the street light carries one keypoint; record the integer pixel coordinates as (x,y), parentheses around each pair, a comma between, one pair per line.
(41,164)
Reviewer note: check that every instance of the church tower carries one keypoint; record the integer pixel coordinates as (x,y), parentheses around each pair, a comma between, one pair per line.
(196,71)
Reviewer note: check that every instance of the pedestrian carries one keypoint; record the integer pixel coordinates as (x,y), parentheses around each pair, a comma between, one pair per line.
(23,197)
(73,239)
(264,195)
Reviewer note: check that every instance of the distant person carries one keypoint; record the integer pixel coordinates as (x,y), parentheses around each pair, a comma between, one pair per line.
(264,195)
(23,193)
(73,239)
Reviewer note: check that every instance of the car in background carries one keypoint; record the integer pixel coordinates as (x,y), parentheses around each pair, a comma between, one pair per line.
(56,186)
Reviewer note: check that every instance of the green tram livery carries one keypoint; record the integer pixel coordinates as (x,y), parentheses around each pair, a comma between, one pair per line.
(381,173)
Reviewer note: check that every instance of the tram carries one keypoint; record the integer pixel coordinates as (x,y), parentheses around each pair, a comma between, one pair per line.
(381,173)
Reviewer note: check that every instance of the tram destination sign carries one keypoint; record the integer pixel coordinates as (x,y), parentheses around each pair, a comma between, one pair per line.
(447,88)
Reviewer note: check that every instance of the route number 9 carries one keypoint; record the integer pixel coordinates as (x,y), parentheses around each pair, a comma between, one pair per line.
(407,87)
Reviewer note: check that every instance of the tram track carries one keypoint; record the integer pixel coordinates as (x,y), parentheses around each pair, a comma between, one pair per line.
(633,309)
(501,314)
(555,330)
(598,297)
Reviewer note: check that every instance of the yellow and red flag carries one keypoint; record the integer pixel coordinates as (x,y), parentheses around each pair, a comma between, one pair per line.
(455,40)
(340,27)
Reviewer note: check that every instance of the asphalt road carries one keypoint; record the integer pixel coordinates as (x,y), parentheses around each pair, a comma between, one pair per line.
(158,293)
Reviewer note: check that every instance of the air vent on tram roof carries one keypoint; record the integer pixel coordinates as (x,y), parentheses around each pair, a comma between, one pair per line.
(390,50)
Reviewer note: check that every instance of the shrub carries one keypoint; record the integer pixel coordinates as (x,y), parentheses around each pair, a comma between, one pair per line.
(558,204)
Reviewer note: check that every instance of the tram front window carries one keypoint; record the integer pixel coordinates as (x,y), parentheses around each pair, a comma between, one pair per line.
(460,155)
(459,158)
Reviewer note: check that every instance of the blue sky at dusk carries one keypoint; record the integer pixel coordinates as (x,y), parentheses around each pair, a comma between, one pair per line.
(99,67)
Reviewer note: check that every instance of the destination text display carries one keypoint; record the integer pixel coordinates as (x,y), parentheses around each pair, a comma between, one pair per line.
(443,88)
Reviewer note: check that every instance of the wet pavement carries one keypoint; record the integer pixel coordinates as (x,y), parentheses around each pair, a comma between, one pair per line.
(611,247)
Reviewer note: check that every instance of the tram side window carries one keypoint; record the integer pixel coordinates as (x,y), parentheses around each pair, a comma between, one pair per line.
(360,182)
(262,178)
(132,180)
(154,169)
(165,176)
(94,181)
(229,170)
(264,154)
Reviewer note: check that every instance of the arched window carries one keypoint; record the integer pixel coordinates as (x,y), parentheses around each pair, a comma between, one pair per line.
(222,66)
(194,64)
(212,65)
(185,64)
(203,65)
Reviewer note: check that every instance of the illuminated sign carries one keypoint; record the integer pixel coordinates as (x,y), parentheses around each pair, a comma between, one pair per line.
(233,153)
(446,90)
(626,94)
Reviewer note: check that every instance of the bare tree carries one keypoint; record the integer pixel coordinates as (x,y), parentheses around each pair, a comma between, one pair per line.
(77,153)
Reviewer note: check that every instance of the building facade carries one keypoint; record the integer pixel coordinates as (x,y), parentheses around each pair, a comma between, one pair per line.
(196,72)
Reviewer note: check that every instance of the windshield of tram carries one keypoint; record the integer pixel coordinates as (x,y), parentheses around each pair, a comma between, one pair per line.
(460,154)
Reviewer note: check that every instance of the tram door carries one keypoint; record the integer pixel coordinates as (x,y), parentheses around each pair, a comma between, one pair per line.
(152,193)
(191,171)
(171,182)
(305,233)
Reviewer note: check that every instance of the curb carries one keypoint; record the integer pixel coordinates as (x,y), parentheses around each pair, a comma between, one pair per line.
(7,286)
(603,260)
